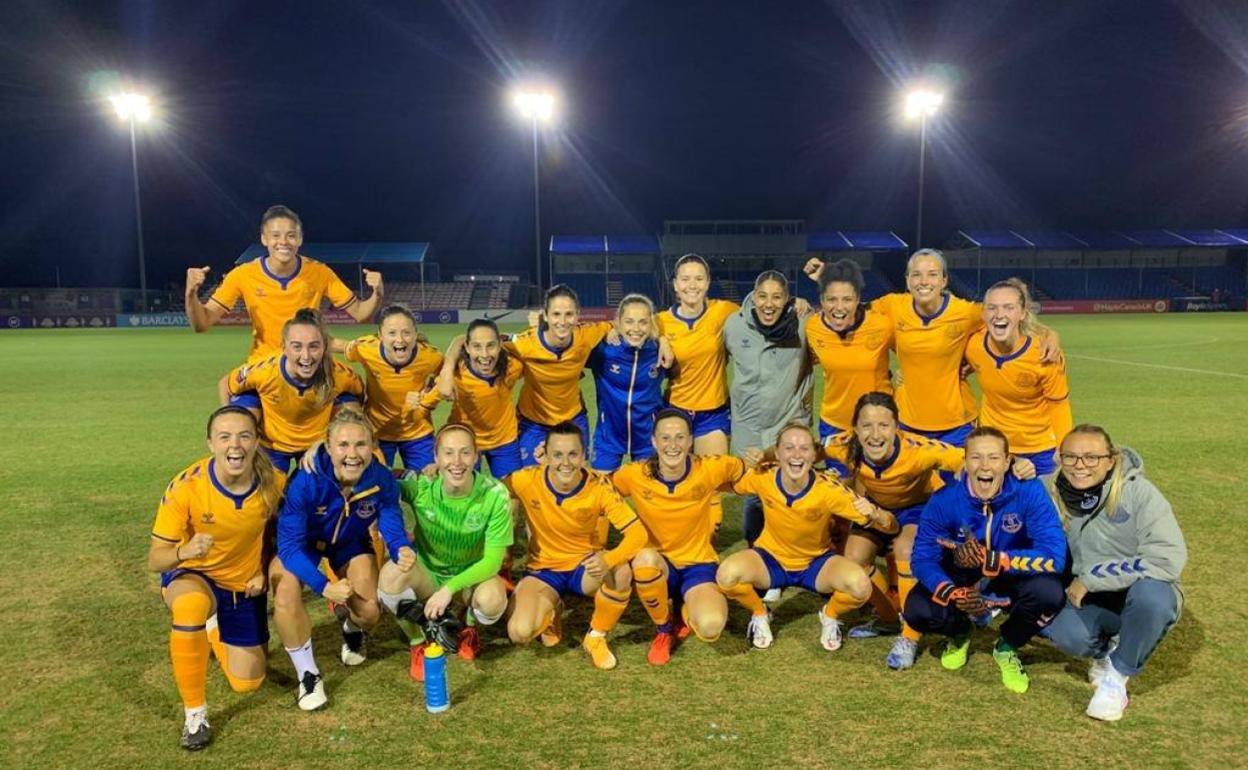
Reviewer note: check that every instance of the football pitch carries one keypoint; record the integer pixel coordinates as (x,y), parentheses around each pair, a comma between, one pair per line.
(97,421)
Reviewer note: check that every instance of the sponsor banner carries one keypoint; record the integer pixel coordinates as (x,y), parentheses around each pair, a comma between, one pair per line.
(147,320)
(1106,306)
(235,318)
(74,321)
(1199,305)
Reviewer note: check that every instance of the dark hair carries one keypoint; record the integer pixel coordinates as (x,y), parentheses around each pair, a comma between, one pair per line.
(771,275)
(560,290)
(323,381)
(841,271)
(261,465)
(694,258)
(988,430)
(280,212)
(395,309)
(667,412)
(500,368)
(567,428)
(855,453)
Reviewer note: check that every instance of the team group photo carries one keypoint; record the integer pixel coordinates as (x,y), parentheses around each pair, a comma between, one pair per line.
(736,491)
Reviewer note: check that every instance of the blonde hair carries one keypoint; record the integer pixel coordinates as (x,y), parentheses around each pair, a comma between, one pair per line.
(348,415)
(1114,480)
(936,254)
(1030,323)
(323,380)
(639,299)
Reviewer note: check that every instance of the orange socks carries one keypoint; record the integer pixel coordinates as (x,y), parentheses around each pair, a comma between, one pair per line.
(652,590)
(745,595)
(609,606)
(188,647)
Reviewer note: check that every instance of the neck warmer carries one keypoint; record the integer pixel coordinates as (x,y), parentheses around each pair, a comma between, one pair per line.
(1080,502)
(784,332)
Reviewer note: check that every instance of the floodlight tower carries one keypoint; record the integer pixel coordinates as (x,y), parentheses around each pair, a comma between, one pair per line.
(538,107)
(922,103)
(134,107)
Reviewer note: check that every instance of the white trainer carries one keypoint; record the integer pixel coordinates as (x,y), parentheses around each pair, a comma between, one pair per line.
(1100,665)
(758,633)
(771,596)
(830,634)
(311,693)
(1110,698)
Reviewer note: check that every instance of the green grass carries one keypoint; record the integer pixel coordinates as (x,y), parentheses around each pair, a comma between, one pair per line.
(96,422)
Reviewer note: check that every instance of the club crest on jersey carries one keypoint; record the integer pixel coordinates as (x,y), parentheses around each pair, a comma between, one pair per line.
(654,372)
(259,291)
(207,518)
(365,509)
(953,332)
(1011,523)
(474,521)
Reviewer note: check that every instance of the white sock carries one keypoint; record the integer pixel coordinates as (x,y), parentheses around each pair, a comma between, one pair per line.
(196,715)
(391,601)
(595,632)
(304,661)
(349,626)
(483,619)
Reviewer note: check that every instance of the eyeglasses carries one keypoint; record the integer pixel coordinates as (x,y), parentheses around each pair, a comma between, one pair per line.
(1088,460)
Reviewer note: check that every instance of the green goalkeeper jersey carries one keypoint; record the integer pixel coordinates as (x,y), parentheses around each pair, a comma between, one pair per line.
(452,534)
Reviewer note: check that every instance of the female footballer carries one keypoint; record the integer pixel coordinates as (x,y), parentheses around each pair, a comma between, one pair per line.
(274,286)
(672,493)
(795,547)
(563,503)
(477,377)
(208,546)
(327,515)
(399,365)
(294,394)
(1127,553)
(628,379)
(463,527)
(1026,398)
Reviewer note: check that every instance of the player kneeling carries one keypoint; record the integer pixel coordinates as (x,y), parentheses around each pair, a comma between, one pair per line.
(463,529)
(988,540)
(327,515)
(207,544)
(563,502)
(795,547)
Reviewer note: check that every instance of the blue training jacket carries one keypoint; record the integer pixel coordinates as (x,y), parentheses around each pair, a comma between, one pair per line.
(316,516)
(628,382)
(1019,528)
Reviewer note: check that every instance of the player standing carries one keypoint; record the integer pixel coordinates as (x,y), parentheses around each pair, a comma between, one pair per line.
(274,286)
(628,381)
(207,544)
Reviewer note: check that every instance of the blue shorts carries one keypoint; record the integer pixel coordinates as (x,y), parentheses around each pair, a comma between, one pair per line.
(802,578)
(248,400)
(341,553)
(416,453)
(681,579)
(532,434)
(504,459)
(709,420)
(1043,460)
(564,582)
(609,450)
(282,460)
(242,620)
(826,432)
(904,516)
(955,436)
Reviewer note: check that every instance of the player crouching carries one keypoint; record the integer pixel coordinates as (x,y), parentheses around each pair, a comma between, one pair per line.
(988,534)
(563,502)
(795,547)
(327,514)
(463,529)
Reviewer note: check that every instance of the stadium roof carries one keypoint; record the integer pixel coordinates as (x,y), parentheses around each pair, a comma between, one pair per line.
(351,253)
(604,244)
(855,240)
(1079,240)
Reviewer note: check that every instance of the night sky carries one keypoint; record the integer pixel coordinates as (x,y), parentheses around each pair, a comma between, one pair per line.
(389,122)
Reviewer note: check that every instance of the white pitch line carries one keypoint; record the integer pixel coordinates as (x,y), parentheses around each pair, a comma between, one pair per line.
(1167,345)
(1159,366)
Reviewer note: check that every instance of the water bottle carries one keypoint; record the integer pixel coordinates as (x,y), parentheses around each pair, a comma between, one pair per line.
(437,695)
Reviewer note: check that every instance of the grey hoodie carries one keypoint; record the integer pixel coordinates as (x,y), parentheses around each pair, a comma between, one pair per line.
(770,386)
(1110,550)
